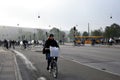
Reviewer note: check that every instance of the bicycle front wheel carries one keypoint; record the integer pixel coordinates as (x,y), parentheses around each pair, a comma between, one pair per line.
(55,70)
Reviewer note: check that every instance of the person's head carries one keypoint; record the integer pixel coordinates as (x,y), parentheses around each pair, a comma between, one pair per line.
(51,36)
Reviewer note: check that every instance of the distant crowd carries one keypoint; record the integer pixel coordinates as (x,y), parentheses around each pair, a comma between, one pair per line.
(24,43)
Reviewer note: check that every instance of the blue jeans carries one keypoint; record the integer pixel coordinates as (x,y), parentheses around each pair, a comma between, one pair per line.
(48,58)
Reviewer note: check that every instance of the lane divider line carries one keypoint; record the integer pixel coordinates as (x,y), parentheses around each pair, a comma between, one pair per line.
(27,62)
(17,72)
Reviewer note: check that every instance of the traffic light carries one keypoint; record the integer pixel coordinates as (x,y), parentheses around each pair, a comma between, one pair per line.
(110,17)
(74,28)
(38,16)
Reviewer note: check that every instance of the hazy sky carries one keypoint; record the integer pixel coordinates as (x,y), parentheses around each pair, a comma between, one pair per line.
(63,14)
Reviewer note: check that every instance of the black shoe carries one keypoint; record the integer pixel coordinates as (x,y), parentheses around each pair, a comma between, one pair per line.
(47,68)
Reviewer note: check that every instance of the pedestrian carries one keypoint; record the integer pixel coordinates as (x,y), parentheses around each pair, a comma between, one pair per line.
(6,44)
(25,43)
(93,42)
(110,41)
(13,44)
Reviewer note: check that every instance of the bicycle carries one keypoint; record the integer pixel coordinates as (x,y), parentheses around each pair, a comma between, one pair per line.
(54,53)
(54,67)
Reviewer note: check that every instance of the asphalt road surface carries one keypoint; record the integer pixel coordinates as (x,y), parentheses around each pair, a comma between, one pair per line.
(107,59)
(75,63)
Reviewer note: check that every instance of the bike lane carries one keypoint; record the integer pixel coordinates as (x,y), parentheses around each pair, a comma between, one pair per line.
(8,66)
(67,69)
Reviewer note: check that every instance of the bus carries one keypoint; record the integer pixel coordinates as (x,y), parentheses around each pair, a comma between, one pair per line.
(88,39)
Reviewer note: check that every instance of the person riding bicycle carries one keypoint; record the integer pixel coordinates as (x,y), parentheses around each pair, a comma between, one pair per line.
(53,43)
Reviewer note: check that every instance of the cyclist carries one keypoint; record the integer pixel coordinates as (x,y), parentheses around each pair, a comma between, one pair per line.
(53,43)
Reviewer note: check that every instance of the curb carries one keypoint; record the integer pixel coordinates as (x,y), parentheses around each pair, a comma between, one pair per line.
(17,70)
(18,74)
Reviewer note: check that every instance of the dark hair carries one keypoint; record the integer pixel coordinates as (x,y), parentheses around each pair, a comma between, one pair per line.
(51,35)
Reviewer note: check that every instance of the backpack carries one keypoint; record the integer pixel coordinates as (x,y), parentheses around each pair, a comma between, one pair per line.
(43,51)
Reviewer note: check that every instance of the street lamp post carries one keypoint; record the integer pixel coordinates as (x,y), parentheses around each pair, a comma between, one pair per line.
(74,28)
(88,30)
(34,35)
(63,38)
(101,31)
(46,35)
(58,35)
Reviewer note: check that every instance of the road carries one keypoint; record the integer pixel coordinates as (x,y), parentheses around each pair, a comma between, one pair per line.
(100,58)
(75,63)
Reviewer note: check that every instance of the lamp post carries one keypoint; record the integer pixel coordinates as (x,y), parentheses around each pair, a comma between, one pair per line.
(88,30)
(34,35)
(63,38)
(59,34)
(30,37)
(46,35)
(74,28)
(101,29)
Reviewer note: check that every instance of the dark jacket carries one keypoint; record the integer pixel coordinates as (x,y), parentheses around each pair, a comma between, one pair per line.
(49,43)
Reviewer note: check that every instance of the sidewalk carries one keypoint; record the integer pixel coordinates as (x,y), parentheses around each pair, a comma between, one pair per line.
(8,66)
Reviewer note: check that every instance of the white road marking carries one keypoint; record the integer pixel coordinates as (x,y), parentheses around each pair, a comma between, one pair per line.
(17,72)
(27,62)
